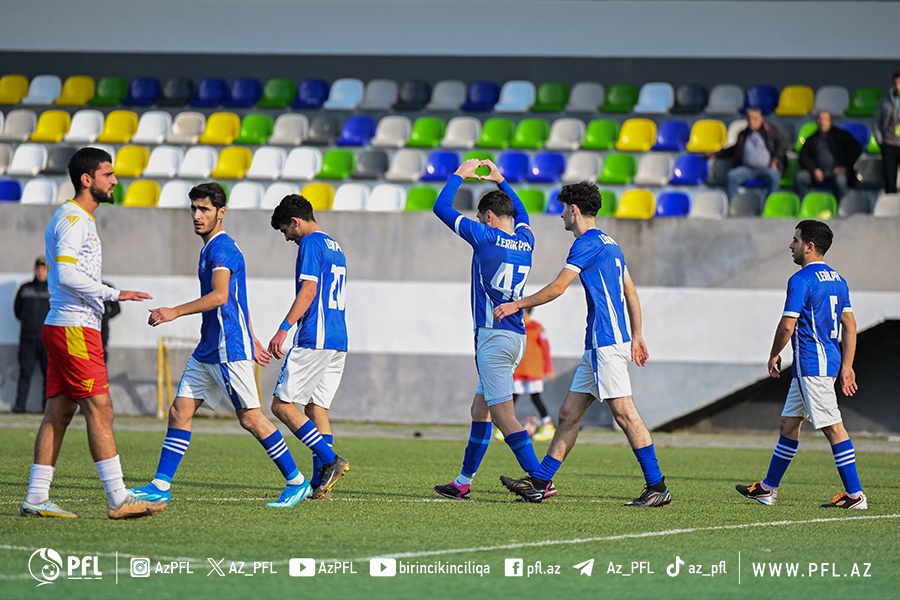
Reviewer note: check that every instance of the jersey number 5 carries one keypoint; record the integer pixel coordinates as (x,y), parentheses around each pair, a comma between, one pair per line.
(337,295)
(836,331)
(503,280)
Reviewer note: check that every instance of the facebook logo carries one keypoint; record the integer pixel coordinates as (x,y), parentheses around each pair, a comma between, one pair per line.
(514,567)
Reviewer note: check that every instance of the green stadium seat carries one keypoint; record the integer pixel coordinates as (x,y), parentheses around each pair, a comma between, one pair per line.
(427,132)
(552,96)
(873,147)
(496,133)
(255,129)
(806,130)
(618,168)
(337,164)
(535,200)
(110,91)
(620,98)
(609,204)
(480,155)
(601,134)
(781,205)
(421,198)
(531,134)
(793,166)
(818,205)
(278,92)
(864,101)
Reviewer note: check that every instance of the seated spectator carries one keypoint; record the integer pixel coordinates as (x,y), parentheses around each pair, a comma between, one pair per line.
(759,152)
(887,134)
(827,158)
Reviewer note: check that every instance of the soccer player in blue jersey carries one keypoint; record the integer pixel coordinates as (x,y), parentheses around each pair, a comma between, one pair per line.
(222,364)
(315,362)
(602,374)
(502,242)
(819,321)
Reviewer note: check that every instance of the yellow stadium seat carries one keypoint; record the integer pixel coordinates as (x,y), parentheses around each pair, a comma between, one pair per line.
(795,101)
(143,193)
(636,204)
(233,163)
(119,128)
(320,195)
(221,129)
(52,126)
(707,135)
(637,135)
(13,88)
(131,161)
(77,90)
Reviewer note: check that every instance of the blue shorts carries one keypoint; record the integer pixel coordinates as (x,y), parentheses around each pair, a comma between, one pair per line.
(497,354)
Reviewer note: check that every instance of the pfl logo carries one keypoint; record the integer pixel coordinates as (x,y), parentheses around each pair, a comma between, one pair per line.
(45,565)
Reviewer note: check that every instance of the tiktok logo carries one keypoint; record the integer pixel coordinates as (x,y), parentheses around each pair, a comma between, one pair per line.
(673,569)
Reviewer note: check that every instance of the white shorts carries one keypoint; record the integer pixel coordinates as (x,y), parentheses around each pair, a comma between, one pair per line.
(603,372)
(310,375)
(210,382)
(814,399)
(497,354)
(529,386)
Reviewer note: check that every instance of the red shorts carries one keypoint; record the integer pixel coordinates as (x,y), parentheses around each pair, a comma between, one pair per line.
(75,365)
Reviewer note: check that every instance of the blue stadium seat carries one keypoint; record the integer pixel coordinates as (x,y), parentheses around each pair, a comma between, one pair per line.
(690,169)
(513,166)
(554,207)
(672,136)
(357,131)
(440,165)
(546,167)
(311,93)
(673,204)
(482,96)
(860,132)
(210,92)
(143,91)
(10,190)
(244,92)
(763,97)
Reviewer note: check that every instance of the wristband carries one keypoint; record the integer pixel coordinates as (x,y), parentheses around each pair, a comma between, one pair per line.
(285,325)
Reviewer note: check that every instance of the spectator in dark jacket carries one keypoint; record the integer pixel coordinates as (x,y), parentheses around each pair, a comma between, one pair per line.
(887,134)
(31,306)
(759,152)
(827,158)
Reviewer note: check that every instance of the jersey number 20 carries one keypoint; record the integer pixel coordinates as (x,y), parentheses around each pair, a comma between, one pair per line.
(337,295)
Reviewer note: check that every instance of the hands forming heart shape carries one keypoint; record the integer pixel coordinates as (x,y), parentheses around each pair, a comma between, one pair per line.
(468,169)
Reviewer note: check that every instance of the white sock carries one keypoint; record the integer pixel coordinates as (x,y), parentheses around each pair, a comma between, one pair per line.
(298,480)
(548,420)
(161,485)
(39,485)
(462,480)
(110,471)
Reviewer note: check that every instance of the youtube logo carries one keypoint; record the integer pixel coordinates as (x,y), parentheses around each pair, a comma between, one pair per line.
(383,567)
(302,567)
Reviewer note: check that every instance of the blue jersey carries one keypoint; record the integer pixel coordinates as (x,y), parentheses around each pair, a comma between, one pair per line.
(322,326)
(817,297)
(501,261)
(225,331)
(600,264)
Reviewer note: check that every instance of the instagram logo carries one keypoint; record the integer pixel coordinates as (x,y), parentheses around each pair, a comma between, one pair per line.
(140,567)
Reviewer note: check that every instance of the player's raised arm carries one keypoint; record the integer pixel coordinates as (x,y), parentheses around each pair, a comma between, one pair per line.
(302,301)
(211,301)
(443,206)
(639,352)
(520,215)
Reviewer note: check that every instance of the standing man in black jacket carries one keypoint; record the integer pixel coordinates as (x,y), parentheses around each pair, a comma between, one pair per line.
(31,307)
(827,158)
(887,133)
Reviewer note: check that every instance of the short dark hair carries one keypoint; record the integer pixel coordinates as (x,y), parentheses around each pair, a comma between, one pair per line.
(584,194)
(212,190)
(498,202)
(292,205)
(895,76)
(86,161)
(817,233)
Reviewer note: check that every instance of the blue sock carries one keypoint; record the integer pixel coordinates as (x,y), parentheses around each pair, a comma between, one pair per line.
(520,444)
(173,449)
(317,462)
(309,435)
(479,438)
(646,457)
(278,451)
(845,461)
(547,470)
(781,460)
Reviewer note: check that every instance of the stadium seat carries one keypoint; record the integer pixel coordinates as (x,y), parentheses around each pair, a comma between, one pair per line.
(690,99)
(781,205)
(278,92)
(406,166)
(464,200)
(387,198)
(43,90)
(763,97)
(863,101)
(10,190)
(302,164)
(869,172)
(725,99)
(620,98)
(795,101)
(143,91)
(77,90)
(243,92)
(586,96)
(152,127)
(481,96)
(66,191)
(12,89)
(164,162)
(110,91)
(246,195)
(176,91)
(58,158)
(345,94)
(535,200)
(790,170)
(420,198)
(531,134)
(119,128)
(833,98)
(513,166)
(380,94)
(672,136)
(806,130)
(268,163)
(618,168)
(673,204)
(554,207)
(734,130)
(39,191)
(636,204)
(462,133)
(28,160)
(234,161)
(601,134)
(637,135)
(198,163)
(86,127)
(872,147)
(609,204)
(142,193)
(290,129)
(516,96)
(859,131)
(370,165)
(427,132)
(887,205)
(496,133)
(552,97)
(745,204)
(690,169)
(109,149)
(583,166)
(357,131)
(655,98)
(818,205)
(311,93)
(440,165)
(413,95)
(276,192)
(221,129)
(320,195)
(350,196)
(131,161)
(855,202)
(707,135)
(6,154)
(654,170)
(480,155)
(392,131)
(546,167)
(255,129)
(210,93)
(323,131)
(52,126)
(709,204)
(187,127)
(337,164)
(447,95)
(566,134)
